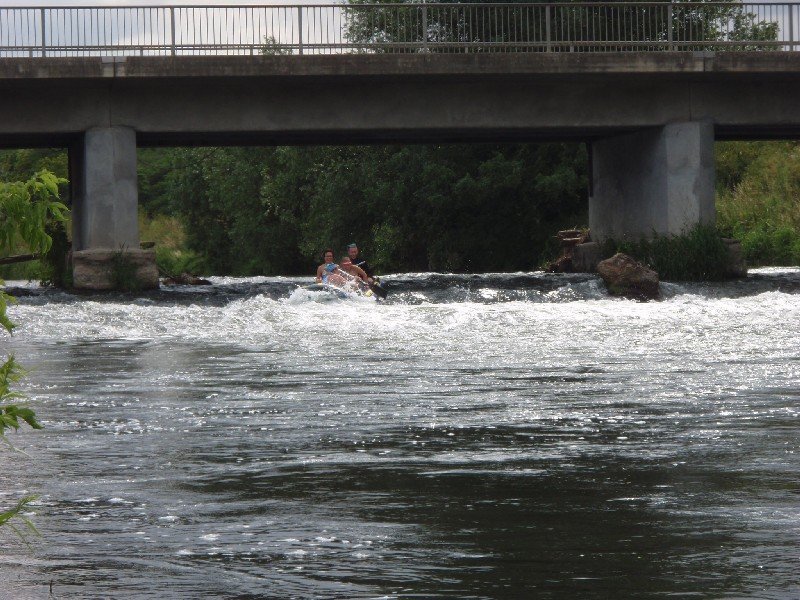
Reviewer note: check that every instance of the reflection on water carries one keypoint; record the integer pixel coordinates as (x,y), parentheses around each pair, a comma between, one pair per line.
(477,437)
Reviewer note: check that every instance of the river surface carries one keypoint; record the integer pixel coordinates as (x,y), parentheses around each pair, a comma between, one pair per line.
(492,436)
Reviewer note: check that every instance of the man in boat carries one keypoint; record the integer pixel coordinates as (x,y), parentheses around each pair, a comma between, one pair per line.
(358,261)
(361,264)
(346,265)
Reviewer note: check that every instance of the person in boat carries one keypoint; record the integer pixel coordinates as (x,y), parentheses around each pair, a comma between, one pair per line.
(360,262)
(355,277)
(327,271)
(346,265)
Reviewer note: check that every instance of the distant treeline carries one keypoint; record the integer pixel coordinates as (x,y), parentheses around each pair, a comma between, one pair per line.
(410,208)
(470,207)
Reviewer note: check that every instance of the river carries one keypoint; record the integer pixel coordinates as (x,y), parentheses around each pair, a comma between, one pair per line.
(487,436)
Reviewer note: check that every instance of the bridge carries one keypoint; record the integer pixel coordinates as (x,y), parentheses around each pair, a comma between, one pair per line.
(649,86)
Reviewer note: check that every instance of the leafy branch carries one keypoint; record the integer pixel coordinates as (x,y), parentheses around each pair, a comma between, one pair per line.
(26,208)
(16,512)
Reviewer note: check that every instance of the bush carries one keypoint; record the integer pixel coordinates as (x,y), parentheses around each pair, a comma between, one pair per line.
(172,262)
(123,272)
(698,255)
(758,199)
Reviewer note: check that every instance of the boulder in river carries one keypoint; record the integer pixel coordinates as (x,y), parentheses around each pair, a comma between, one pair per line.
(626,277)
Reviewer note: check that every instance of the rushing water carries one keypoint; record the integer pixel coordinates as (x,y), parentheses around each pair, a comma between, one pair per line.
(509,436)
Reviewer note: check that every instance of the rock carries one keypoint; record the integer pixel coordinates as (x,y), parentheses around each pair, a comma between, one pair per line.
(626,277)
(94,269)
(186,279)
(736,265)
(563,264)
(585,257)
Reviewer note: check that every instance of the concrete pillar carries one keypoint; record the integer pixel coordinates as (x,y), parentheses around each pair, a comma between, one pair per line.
(109,197)
(654,181)
(105,212)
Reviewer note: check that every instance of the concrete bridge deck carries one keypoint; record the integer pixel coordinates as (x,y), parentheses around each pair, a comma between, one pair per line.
(397,97)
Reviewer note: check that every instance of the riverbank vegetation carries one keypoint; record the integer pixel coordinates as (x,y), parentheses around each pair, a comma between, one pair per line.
(698,255)
(758,199)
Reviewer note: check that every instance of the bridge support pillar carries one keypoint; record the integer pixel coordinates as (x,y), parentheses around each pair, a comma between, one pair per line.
(106,252)
(655,181)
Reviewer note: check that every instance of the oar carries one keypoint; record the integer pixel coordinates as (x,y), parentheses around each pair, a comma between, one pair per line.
(379,291)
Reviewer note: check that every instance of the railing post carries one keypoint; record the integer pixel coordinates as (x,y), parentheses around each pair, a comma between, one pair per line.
(425,27)
(547,28)
(670,39)
(172,28)
(300,29)
(42,22)
(791,27)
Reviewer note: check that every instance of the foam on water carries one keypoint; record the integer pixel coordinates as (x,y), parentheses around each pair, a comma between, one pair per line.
(488,436)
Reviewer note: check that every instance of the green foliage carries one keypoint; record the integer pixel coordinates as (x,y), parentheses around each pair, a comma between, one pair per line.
(698,255)
(758,192)
(5,322)
(10,414)
(445,207)
(272,47)
(154,167)
(27,209)
(16,512)
(20,165)
(53,267)
(25,271)
(218,193)
(123,272)
(174,262)
(449,29)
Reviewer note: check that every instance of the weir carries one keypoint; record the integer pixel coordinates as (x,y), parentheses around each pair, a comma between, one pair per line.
(649,102)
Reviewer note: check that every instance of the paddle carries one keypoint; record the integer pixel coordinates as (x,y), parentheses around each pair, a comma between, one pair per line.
(378,290)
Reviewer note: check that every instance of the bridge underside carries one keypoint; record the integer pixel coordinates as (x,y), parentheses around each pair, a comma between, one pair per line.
(651,118)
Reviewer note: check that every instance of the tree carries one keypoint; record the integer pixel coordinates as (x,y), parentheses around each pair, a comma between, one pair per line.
(26,209)
(521,25)
(453,207)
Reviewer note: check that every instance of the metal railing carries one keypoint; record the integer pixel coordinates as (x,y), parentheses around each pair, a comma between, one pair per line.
(397,28)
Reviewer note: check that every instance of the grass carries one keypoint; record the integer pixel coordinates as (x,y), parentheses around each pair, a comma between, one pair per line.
(27,271)
(124,273)
(758,199)
(172,256)
(698,255)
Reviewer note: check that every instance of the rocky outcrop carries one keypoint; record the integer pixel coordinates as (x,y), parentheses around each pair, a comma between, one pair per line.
(185,279)
(628,278)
